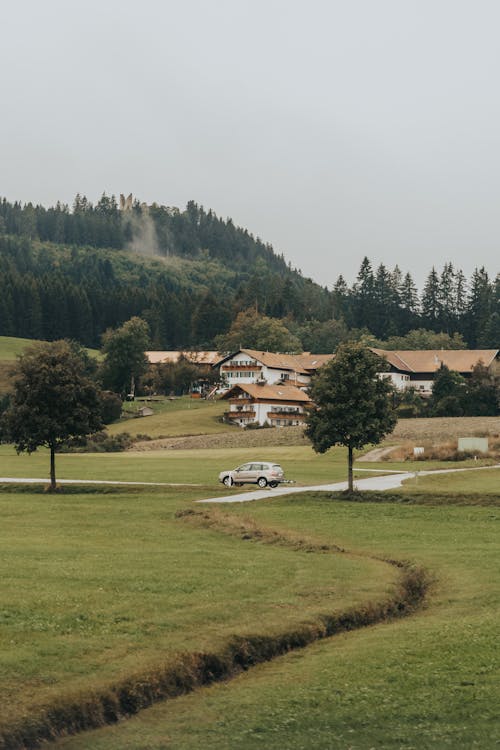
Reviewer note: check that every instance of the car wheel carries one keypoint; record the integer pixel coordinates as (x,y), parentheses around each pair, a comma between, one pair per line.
(273,485)
(228,481)
(262,482)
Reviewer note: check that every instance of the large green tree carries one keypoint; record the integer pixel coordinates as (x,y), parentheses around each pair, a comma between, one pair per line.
(352,404)
(125,360)
(252,330)
(53,400)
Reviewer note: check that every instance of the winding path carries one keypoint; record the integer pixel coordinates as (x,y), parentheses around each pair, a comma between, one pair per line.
(388,481)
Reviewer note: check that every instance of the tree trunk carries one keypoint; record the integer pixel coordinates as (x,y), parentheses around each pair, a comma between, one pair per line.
(350,485)
(52,485)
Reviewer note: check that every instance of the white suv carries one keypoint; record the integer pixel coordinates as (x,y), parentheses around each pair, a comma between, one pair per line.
(262,473)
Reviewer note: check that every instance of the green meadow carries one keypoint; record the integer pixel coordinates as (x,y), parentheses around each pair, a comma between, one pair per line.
(179,416)
(98,586)
(300,463)
(428,681)
(101,585)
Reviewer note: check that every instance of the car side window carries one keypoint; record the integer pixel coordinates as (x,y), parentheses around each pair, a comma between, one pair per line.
(245,467)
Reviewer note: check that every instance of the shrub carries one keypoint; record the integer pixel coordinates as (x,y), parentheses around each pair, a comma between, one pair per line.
(98,442)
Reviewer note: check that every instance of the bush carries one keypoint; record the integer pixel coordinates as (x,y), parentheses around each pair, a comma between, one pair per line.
(111,406)
(99,442)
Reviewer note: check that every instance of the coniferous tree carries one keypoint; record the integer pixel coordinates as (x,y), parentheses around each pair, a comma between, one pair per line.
(478,307)
(431,302)
(447,310)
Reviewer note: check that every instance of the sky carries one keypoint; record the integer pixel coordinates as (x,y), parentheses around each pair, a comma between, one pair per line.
(330,129)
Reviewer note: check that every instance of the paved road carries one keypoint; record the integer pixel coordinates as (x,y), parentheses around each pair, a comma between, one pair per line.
(385,482)
(389,480)
(45,480)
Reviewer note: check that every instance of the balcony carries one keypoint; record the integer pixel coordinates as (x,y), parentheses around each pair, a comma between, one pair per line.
(286,416)
(243,414)
(239,368)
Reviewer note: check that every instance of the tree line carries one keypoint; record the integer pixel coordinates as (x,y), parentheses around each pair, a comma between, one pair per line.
(62,275)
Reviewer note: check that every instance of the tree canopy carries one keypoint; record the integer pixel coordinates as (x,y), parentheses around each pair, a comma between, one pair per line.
(352,404)
(252,330)
(53,400)
(125,359)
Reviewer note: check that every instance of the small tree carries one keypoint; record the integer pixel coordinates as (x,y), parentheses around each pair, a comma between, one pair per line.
(448,392)
(352,404)
(52,400)
(125,361)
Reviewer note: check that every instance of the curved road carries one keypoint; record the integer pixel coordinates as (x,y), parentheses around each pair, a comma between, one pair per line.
(389,480)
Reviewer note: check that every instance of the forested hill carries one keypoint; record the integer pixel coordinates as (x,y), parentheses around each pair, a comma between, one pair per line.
(73,273)
(153,230)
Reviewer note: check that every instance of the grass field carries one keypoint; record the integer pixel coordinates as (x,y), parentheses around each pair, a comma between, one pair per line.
(101,586)
(300,464)
(182,416)
(96,587)
(430,681)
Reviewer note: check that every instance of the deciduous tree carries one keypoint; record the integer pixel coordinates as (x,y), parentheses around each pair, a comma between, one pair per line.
(125,361)
(53,400)
(352,404)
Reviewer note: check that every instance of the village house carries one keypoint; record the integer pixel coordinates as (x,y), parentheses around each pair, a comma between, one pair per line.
(258,403)
(203,359)
(417,368)
(248,366)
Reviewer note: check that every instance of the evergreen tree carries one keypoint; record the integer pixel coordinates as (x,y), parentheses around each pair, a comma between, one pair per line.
(447,288)
(431,299)
(478,307)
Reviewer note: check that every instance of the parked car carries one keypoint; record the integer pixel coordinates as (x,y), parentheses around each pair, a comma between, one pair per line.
(263,473)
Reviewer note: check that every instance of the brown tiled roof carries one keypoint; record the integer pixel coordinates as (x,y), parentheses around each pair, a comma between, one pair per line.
(313,361)
(277,361)
(269,392)
(430,360)
(299,363)
(199,358)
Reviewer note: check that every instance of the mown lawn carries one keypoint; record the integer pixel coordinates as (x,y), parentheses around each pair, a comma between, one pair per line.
(300,463)
(429,681)
(98,586)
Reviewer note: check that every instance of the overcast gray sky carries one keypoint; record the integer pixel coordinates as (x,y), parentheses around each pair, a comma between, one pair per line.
(331,129)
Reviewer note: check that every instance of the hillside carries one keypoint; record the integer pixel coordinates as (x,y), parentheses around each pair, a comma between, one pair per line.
(74,274)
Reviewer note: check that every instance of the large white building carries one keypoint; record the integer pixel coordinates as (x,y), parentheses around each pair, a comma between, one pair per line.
(248,366)
(276,405)
(417,368)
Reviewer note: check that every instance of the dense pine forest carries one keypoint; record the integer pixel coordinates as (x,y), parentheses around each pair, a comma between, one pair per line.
(75,272)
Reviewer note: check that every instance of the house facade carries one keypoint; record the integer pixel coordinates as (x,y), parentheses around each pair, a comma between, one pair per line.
(248,366)
(417,368)
(276,405)
(203,359)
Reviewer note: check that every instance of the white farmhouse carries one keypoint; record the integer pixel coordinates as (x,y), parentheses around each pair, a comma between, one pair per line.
(277,405)
(418,368)
(251,366)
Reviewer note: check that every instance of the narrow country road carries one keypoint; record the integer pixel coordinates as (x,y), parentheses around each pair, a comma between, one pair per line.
(388,480)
